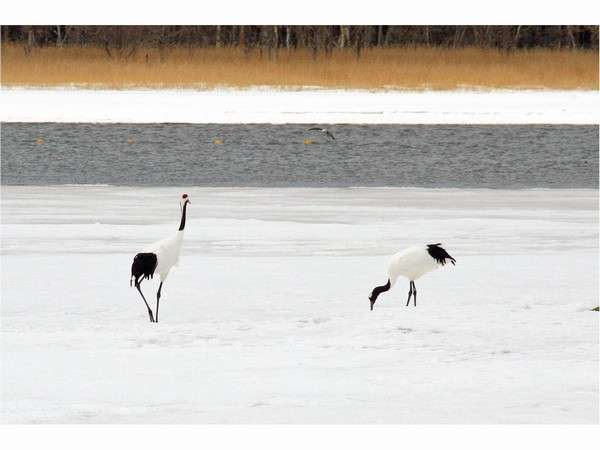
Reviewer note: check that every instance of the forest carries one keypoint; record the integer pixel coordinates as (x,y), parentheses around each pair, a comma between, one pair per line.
(125,40)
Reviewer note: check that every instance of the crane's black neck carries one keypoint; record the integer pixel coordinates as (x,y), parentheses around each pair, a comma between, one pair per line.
(182,223)
(378,290)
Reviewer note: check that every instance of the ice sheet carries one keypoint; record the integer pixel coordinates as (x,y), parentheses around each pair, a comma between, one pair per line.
(267,319)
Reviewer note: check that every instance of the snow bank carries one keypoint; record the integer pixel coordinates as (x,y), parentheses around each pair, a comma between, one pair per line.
(300,106)
(267,319)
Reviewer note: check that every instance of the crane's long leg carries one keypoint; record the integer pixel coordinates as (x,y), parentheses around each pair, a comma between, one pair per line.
(158,299)
(414,288)
(137,286)
(409,294)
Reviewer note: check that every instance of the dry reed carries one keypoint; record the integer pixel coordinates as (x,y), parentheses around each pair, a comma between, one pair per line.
(395,68)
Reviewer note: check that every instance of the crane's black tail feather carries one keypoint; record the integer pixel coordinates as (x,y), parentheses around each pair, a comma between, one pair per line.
(439,254)
(143,267)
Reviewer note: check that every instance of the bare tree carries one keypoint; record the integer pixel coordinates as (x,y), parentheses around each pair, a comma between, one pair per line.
(571,37)
(288,36)
(218,42)
(344,36)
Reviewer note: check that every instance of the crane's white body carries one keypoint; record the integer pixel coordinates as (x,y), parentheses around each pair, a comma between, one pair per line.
(412,263)
(167,251)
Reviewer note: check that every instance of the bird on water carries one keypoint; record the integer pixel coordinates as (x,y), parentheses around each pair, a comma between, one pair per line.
(412,263)
(159,257)
(323,130)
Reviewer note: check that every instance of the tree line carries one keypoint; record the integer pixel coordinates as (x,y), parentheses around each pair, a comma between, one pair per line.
(124,40)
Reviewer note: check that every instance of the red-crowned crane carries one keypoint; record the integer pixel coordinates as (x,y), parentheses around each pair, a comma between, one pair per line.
(412,263)
(159,257)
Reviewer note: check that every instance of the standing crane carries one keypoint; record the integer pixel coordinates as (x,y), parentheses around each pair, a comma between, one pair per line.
(412,263)
(159,257)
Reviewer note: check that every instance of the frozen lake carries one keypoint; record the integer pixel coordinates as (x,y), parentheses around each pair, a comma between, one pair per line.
(267,319)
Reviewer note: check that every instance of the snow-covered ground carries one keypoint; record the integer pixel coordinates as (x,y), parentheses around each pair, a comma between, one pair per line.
(267,317)
(299,106)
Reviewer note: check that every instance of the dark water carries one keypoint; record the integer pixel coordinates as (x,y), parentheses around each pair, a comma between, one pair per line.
(471,156)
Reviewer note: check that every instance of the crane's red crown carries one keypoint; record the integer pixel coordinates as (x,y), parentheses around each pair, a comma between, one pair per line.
(184,196)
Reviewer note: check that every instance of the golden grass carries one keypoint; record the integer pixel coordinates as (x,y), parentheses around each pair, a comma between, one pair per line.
(396,68)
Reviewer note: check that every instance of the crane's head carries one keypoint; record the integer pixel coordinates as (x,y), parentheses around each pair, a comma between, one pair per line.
(184,199)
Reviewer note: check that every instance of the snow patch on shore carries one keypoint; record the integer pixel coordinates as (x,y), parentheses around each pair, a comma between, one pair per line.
(261,105)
